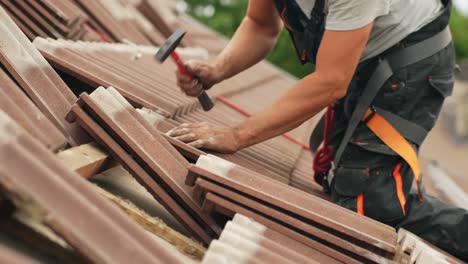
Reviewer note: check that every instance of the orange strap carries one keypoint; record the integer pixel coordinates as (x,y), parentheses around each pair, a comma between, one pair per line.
(360,204)
(394,140)
(399,188)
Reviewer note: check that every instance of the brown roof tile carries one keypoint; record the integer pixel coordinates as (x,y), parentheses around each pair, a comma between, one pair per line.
(19,107)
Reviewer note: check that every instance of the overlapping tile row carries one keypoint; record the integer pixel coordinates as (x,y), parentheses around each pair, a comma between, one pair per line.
(35,181)
(111,19)
(134,72)
(226,189)
(114,123)
(245,241)
(302,176)
(18,106)
(143,82)
(21,60)
(160,15)
(52,18)
(135,24)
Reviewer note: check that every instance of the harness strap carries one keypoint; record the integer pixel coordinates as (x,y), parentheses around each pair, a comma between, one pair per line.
(420,51)
(409,130)
(394,140)
(381,74)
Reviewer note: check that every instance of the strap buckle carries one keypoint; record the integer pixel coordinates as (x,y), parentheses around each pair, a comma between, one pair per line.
(371,115)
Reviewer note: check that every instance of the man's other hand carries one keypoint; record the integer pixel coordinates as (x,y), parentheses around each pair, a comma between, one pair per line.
(205,76)
(206,136)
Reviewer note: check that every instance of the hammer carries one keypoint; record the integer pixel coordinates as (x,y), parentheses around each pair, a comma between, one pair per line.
(169,49)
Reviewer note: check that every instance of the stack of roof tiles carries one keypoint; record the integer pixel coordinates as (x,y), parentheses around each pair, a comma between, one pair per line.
(40,115)
(113,122)
(246,241)
(227,189)
(22,63)
(51,18)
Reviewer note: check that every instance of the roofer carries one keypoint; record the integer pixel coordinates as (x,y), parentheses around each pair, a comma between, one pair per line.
(383,69)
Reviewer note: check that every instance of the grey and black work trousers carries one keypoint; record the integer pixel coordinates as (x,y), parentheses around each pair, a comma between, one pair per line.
(415,93)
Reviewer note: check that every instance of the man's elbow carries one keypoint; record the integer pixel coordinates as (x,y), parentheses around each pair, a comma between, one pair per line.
(337,85)
(339,92)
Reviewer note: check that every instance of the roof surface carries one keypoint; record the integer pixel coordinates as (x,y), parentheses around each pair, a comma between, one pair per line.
(80,75)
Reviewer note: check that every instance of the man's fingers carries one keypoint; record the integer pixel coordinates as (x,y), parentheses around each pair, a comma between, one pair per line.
(188,85)
(196,91)
(193,67)
(183,77)
(199,143)
(193,125)
(178,132)
(192,88)
(187,138)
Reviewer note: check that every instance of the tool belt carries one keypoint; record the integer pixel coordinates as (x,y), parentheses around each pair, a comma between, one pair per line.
(395,132)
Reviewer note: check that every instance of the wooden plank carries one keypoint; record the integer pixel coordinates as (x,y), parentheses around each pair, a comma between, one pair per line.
(87,160)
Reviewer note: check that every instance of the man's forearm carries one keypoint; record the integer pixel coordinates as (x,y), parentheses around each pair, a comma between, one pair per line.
(250,44)
(308,97)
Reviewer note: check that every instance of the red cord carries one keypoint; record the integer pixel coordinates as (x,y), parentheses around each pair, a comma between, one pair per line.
(324,156)
(245,113)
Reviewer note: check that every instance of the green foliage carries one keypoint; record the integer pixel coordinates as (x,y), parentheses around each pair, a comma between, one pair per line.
(459,26)
(228,14)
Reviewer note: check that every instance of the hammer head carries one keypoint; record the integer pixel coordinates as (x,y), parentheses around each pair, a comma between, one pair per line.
(170,45)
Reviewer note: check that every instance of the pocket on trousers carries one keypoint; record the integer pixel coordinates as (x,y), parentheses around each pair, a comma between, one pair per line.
(350,182)
(443,84)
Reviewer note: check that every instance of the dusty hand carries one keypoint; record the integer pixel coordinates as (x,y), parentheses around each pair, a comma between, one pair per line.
(206,77)
(206,136)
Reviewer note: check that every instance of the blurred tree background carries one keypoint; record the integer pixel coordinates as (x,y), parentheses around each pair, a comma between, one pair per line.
(225,16)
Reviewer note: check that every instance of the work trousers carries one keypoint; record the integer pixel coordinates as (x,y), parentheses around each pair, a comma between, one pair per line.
(368,166)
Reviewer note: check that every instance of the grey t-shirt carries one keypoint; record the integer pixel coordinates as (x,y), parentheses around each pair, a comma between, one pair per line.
(394,19)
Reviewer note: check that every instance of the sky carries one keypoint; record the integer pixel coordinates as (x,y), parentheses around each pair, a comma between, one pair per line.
(462,5)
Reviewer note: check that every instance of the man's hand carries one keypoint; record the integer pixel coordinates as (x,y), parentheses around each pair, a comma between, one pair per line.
(206,136)
(253,40)
(206,76)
